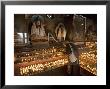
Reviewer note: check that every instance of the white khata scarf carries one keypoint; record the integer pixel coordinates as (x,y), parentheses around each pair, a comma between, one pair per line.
(72,56)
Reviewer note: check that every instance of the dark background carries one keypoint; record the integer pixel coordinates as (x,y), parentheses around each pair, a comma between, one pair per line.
(23,24)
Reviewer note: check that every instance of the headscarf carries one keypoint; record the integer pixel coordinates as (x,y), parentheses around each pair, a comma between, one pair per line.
(37,18)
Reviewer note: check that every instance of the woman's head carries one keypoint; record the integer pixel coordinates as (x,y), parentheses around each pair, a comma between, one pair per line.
(37,19)
(61,25)
(38,23)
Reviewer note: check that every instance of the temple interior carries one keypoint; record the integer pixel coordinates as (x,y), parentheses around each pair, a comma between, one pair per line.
(40,44)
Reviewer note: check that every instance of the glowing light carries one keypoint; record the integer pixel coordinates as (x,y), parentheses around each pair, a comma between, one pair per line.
(37,68)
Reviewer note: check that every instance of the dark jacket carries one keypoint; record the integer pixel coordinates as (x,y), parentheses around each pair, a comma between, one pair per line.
(74,47)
